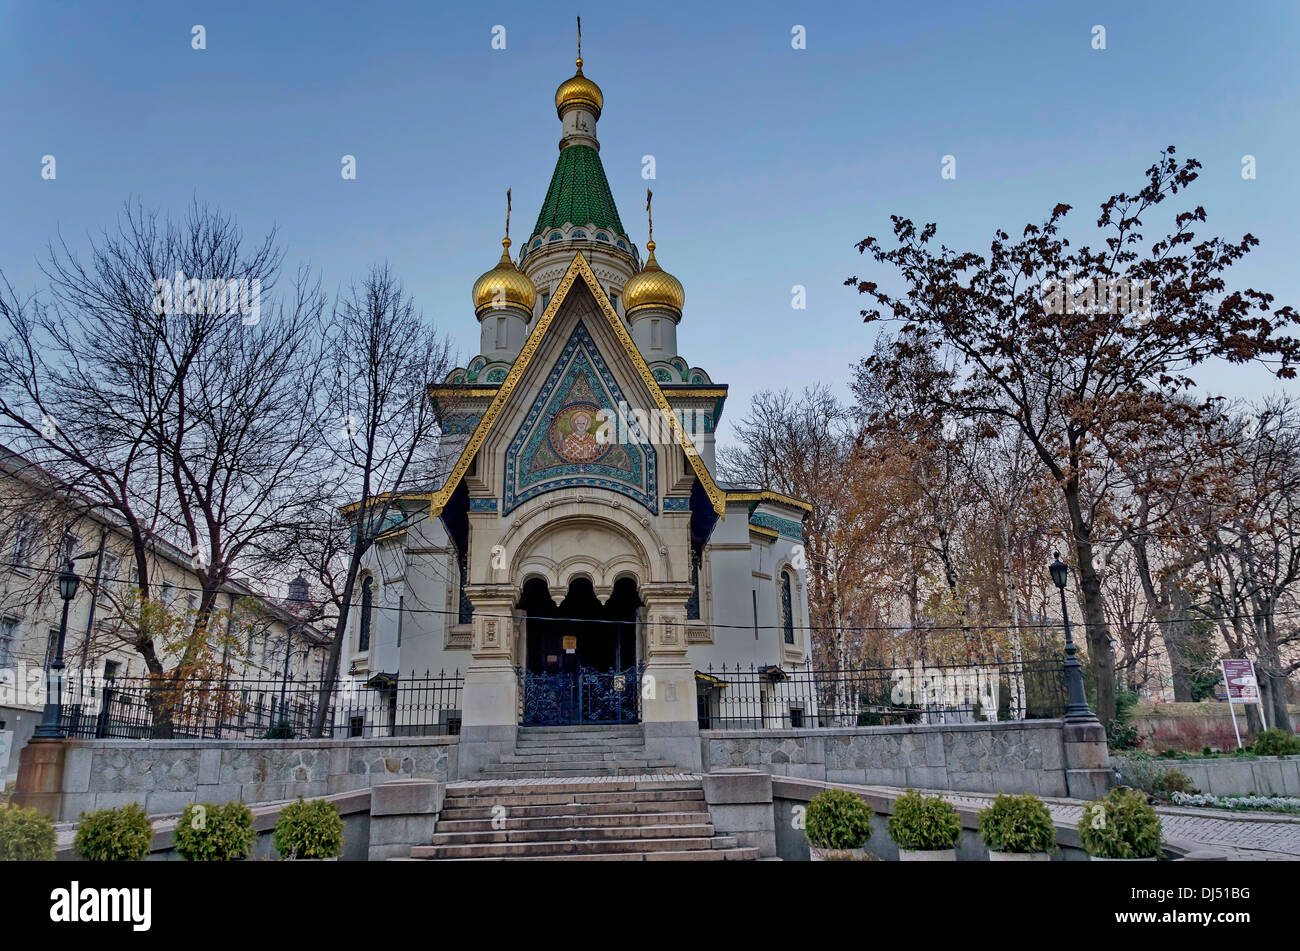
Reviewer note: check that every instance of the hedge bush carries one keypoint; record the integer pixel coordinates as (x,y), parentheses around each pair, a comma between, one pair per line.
(837,819)
(114,835)
(25,835)
(923,823)
(1275,742)
(1121,826)
(309,829)
(1017,824)
(1170,781)
(208,832)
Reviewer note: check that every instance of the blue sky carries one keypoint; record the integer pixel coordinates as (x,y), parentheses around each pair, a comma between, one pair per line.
(771,162)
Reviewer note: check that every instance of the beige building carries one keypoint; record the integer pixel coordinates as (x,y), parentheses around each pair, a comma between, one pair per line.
(41,527)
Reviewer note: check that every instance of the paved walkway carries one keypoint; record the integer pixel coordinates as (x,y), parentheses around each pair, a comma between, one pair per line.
(1255,836)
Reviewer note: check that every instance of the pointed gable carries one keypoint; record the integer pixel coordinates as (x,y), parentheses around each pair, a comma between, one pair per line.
(545,467)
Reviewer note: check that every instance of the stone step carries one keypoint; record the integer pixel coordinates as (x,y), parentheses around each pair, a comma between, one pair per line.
(604,729)
(565,756)
(524,772)
(575,834)
(511,849)
(581,746)
(653,807)
(560,762)
(692,855)
(573,820)
(643,783)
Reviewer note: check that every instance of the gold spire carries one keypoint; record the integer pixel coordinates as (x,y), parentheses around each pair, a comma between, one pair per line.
(579,90)
(504,284)
(652,286)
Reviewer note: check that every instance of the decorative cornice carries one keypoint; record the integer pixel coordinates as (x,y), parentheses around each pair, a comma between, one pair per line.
(778,526)
(579,268)
(769,496)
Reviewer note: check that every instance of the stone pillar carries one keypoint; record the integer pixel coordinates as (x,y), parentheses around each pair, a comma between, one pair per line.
(403,814)
(490,702)
(40,776)
(1088,774)
(668,706)
(740,804)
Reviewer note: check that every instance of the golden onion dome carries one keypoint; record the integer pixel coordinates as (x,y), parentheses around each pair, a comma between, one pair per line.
(653,287)
(504,284)
(579,90)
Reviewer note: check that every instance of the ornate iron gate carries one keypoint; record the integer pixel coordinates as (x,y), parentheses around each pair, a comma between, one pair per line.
(585,696)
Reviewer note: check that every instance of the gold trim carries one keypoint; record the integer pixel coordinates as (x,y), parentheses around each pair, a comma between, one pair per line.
(769,496)
(577,267)
(702,392)
(464,391)
(381,498)
(761,530)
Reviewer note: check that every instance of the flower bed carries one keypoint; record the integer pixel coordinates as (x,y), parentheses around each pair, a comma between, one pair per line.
(1278,803)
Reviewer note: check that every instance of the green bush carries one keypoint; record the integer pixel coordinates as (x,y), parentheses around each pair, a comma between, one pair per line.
(1017,824)
(1275,742)
(114,835)
(212,833)
(309,829)
(1170,781)
(923,823)
(1121,826)
(25,835)
(837,819)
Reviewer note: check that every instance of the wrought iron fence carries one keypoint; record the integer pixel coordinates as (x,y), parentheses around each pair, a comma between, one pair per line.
(772,697)
(265,708)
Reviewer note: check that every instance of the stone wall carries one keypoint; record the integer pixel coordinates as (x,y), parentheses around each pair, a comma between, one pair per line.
(1190,727)
(1023,756)
(164,775)
(1266,776)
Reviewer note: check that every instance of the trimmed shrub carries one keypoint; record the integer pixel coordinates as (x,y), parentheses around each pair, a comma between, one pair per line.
(213,833)
(25,835)
(1017,824)
(837,819)
(1121,826)
(123,834)
(923,823)
(1170,781)
(309,829)
(1275,742)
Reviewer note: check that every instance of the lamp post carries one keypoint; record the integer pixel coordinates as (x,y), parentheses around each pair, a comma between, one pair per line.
(1077,711)
(50,727)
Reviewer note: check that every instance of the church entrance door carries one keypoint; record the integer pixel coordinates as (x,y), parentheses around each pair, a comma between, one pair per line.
(580,662)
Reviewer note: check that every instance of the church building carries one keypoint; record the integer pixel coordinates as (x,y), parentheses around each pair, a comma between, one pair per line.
(582,563)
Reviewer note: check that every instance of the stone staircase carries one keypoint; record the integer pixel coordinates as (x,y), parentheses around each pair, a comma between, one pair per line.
(607,817)
(557,752)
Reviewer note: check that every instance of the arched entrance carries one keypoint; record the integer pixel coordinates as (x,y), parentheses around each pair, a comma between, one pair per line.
(581,657)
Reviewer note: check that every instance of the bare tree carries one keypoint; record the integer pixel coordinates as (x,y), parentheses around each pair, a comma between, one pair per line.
(381,433)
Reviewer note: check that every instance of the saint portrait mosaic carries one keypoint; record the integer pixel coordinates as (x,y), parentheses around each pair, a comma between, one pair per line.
(557,445)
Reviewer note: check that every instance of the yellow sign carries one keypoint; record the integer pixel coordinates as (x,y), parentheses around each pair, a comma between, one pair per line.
(570,642)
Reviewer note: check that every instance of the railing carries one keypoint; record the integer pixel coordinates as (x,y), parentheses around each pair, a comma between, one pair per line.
(265,708)
(732,698)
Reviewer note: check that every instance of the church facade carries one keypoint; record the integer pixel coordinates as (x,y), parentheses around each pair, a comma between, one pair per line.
(582,562)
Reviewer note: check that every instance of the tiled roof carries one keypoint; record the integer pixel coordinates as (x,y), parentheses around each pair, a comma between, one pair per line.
(579,193)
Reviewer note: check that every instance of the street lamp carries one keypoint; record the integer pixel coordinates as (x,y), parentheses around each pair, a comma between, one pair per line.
(51,727)
(1077,711)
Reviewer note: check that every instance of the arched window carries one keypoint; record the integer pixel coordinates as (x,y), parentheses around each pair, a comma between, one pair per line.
(787,608)
(579,236)
(555,237)
(367,601)
(601,236)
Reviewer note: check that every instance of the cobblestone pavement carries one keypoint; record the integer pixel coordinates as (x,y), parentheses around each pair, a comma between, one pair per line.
(1266,836)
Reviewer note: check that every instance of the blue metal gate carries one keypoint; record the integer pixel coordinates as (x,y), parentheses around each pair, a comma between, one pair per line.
(584,696)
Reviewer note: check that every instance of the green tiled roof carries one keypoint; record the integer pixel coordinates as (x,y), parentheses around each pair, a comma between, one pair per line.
(579,193)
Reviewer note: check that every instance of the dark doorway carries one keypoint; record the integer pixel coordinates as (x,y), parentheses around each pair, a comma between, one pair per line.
(580,662)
